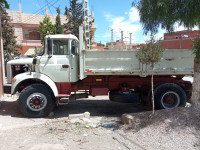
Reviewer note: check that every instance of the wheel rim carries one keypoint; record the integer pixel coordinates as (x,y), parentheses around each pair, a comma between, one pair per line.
(170,100)
(36,101)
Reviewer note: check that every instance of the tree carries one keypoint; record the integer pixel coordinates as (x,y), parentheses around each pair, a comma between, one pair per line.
(164,14)
(74,17)
(46,27)
(150,53)
(59,27)
(4,3)
(9,40)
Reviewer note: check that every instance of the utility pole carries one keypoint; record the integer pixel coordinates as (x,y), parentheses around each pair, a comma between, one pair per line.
(1,58)
(122,37)
(20,6)
(112,39)
(86,25)
(46,1)
(130,42)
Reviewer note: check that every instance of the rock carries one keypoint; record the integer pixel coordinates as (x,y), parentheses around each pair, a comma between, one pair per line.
(73,116)
(51,114)
(127,119)
(84,115)
(188,105)
(80,120)
(46,146)
(87,115)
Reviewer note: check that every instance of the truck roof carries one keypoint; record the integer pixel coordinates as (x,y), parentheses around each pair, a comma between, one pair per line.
(62,36)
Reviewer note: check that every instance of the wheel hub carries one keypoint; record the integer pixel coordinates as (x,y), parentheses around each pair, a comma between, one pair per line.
(170,100)
(36,101)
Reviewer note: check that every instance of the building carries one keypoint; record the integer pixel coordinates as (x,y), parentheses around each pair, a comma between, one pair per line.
(27,32)
(26,28)
(117,45)
(176,40)
(180,39)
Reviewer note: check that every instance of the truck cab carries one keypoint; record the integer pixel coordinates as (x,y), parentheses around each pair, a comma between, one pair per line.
(61,53)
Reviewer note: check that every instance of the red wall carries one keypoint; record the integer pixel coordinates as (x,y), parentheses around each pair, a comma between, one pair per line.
(179,40)
(177,44)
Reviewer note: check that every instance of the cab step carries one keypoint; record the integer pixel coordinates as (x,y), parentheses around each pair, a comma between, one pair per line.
(63,101)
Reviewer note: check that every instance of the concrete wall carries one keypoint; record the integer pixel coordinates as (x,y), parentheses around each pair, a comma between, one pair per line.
(22,18)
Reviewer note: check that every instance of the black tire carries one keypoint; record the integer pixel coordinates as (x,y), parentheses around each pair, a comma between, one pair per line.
(169,96)
(150,92)
(188,89)
(124,97)
(36,100)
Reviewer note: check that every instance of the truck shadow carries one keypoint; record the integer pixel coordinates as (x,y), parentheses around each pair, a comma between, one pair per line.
(10,108)
(99,108)
(94,107)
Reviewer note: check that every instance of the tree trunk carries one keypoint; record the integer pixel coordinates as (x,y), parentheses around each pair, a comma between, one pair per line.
(152,97)
(196,86)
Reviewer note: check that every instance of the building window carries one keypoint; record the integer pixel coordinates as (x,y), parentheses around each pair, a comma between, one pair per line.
(34,35)
(26,36)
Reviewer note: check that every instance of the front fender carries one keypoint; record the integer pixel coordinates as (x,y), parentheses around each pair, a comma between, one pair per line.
(33,75)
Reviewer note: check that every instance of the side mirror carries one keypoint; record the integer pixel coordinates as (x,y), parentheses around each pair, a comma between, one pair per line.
(34,61)
(74,47)
(50,43)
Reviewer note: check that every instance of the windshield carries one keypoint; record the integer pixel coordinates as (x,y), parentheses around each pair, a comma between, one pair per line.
(60,47)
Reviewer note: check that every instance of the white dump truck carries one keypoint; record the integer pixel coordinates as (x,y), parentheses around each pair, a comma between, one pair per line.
(67,70)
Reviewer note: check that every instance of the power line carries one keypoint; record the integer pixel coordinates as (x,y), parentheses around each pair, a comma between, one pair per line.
(39,5)
(35,15)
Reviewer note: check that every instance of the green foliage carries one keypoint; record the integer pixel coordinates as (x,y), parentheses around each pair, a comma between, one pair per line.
(37,51)
(74,16)
(4,3)
(165,13)
(46,28)
(9,40)
(196,49)
(59,27)
(150,53)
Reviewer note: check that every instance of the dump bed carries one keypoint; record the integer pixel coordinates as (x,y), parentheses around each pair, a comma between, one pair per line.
(125,62)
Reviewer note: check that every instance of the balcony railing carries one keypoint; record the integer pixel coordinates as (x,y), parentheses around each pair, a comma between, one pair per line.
(31,42)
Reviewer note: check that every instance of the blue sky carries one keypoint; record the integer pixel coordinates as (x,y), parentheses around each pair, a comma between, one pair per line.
(109,14)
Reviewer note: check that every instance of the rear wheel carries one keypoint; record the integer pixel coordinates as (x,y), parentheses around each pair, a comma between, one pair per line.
(36,100)
(169,96)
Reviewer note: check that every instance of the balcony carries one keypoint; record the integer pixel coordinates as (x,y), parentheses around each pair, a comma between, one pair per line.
(31,43)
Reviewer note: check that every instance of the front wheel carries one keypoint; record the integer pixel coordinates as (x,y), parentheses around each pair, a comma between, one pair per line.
(36,100)
(169,96)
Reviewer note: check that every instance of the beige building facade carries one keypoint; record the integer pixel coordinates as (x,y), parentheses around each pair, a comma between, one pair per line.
(26,27)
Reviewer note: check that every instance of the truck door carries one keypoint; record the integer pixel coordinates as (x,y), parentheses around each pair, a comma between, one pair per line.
(74,58)
(56,63)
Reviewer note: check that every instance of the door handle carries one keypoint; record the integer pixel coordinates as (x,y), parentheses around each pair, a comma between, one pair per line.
(65,66)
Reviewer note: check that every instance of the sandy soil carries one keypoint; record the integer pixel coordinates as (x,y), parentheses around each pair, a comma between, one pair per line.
(167,129)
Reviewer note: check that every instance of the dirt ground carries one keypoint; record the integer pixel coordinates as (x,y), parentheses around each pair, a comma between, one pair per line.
(167,129)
